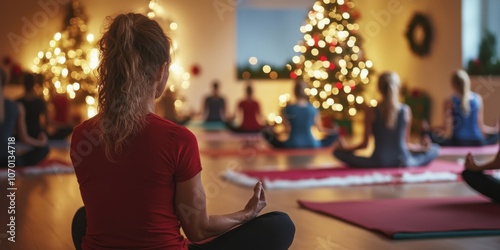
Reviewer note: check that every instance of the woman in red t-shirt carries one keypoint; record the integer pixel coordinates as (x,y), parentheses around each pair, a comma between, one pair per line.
(139,174)
(249,109)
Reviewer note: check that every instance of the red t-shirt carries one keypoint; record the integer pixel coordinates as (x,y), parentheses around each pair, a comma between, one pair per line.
(130,202)
(250,111)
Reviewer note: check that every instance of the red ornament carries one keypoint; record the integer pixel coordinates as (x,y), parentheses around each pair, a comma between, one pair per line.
(356,15)
(195,70)
(316,39)
(332,66)
(7,60)
(322,58)
(16,70)
(339,85)
(293,75)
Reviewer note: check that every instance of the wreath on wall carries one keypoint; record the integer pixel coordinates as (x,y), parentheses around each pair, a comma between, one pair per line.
(420,34)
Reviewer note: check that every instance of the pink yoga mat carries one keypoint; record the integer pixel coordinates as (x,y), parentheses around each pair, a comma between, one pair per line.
(341,171)
(462,151)
(417,218)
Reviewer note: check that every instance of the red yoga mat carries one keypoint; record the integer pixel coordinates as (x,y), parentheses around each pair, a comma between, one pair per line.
(462,151)
(262,151)
(437,170)
(417,218)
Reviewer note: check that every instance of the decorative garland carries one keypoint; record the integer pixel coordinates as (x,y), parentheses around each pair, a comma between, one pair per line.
(423,47)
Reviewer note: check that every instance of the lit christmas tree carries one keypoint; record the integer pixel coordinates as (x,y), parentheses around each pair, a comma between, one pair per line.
(332,61)
(68,65)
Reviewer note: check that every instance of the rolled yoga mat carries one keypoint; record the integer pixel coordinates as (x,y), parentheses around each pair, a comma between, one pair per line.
(437,170)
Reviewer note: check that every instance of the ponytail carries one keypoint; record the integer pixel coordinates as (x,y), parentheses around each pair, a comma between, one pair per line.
(389,87)
(133,50)
(461,82)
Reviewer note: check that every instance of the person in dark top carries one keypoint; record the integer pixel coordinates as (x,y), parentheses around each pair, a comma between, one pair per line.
(474,175)
(463,114)
(35,107)
(390,124)
(249,109)
(299,118)
(12,119)
(214,108)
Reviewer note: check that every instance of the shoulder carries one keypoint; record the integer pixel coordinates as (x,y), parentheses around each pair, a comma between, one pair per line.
(476,96)
(161,126)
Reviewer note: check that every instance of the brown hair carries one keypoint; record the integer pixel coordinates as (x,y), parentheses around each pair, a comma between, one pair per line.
(299,89)
(133,50)
(388,85)
(461,82)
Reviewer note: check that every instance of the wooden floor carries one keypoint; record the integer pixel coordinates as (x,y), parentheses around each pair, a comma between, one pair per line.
(45,205)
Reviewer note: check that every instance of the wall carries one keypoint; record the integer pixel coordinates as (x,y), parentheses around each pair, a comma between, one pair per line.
(207,34)
(388,48)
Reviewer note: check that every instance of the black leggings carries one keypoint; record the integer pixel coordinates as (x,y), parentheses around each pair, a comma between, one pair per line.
(232,128)
(271,231)
(272,139)
(30,158)
(488,139)
(485,184)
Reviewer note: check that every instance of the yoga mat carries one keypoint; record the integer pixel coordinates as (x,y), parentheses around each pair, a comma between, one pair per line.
(47,166)
(262,151)
(417,218)
(437,170)
(462,151)
(227,136)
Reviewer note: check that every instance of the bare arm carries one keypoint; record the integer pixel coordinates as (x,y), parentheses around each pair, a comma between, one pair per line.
(446,127)
(190,202)
(23,133)
(369,118)
(480,119)
(415,147)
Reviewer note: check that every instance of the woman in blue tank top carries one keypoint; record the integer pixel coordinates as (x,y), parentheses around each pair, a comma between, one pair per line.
(299,118)
(463,114)
(390,124)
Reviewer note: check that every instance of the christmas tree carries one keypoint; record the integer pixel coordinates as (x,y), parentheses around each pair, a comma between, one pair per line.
(68,65)
(332,61)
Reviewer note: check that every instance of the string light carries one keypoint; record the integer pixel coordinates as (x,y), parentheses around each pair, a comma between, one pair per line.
(67,64)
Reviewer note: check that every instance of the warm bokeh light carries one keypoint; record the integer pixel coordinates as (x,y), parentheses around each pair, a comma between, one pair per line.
(253,60)
(331,60)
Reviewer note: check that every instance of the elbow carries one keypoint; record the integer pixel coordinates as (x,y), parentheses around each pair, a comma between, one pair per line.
(198,235)
(195,236)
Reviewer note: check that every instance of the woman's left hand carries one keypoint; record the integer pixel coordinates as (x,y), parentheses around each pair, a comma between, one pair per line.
(470,164)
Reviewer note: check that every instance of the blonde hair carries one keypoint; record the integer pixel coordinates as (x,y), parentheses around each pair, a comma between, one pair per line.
(133,50)
(461,82)
(388,85)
